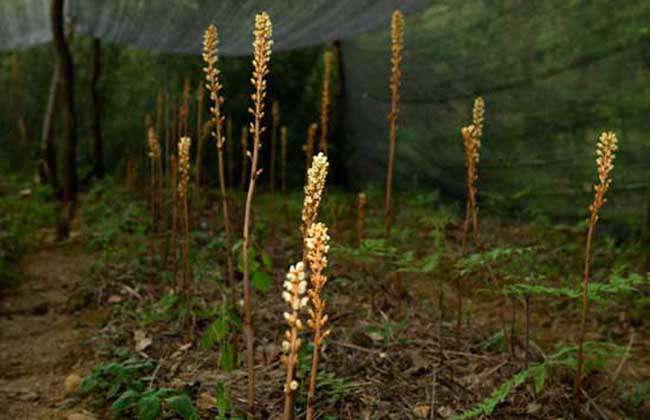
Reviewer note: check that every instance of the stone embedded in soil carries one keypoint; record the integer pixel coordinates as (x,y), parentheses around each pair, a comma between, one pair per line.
(81,416)
(71,384)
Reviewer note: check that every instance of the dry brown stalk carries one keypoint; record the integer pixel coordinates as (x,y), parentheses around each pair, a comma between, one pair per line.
(160,106)
(325,101)
(155,158)
(243,141)
(261,58)
(211,58)
(309,144)
(397,46)
(313,194)
(230,153)
(283,158)
(361,222)
(173,177)
(295,287)
(606,153)
(200,97)
(275,118)
(318,247)
(183,184)
(184,110)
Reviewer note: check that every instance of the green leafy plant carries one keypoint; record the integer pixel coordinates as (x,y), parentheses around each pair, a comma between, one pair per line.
(218,333)
(567,356)
(126,384)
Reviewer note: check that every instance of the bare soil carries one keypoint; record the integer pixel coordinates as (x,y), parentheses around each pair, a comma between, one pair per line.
(41,340)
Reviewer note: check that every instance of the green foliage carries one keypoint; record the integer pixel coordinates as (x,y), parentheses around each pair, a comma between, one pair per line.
(616,286)
(162,310)
(389,332)
(369,250)
(110,211)
(24,208)
(127,386)
(406,263)
(218,333)
(259,265)
(333,386)
(597,354)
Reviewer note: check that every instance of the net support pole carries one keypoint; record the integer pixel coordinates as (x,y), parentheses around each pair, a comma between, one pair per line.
(69,164)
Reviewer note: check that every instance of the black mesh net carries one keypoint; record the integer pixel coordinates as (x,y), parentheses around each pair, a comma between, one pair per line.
(553,74)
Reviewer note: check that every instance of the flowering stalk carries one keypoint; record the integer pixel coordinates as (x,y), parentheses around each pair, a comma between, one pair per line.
(211,58)
(155,157)
(318,247)
(313,194)
(295,287)
(261,57)
(472,136)
(397,38)
(183,182)
(325,101)
(605,152)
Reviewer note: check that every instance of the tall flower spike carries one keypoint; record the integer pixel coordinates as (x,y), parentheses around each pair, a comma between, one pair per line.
(293,294)
(605,155)
(261,57)
(314,190)
(318,247)
(183,165)
(211,58)
(397,47)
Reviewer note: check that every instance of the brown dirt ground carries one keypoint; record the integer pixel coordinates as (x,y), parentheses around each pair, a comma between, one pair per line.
(41,341)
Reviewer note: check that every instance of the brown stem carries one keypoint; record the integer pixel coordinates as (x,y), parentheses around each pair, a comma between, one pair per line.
(200,137)
(291,364)
(186,247)
(248,318)
(583,316)
(388,217)
(311,390)
(527,337)
(174,246)
(226,225)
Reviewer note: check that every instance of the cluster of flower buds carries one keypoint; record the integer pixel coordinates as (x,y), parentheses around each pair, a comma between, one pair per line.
(183,165)
(314,190)
(295,287)
(154,146)
(605,155)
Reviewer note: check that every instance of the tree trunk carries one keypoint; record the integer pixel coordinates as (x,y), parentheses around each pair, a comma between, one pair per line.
(47,170)
(95,111)
(69,123)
